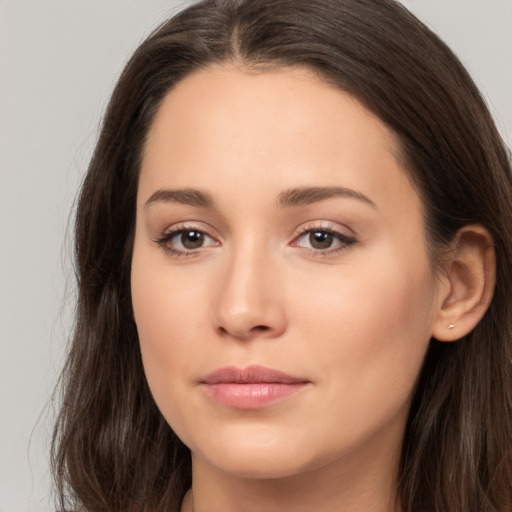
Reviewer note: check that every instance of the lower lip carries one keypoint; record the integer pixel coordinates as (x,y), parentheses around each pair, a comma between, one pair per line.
(254,395)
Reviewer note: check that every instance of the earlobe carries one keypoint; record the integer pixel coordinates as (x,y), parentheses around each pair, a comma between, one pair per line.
(468,284)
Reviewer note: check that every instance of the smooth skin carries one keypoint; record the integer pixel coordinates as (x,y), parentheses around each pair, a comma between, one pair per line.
(235,264)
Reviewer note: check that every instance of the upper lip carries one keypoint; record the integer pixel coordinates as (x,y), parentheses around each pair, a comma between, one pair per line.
(250,374)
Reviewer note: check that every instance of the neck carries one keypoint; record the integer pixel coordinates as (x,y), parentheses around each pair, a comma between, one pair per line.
(344,485)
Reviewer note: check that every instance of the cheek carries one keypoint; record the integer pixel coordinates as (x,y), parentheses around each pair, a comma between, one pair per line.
(367,300)
(373,329)
(170,315)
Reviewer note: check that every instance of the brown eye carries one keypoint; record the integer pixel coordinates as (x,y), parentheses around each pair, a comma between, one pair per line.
(320,239)
(324,241)
(192,239)
(186,241)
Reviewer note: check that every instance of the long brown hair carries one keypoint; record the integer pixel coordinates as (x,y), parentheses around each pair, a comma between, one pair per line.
(112,449)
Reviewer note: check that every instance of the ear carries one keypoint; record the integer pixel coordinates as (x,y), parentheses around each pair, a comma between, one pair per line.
(467,284)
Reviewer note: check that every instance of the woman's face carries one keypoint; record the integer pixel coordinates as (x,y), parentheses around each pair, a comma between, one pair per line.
(281,286)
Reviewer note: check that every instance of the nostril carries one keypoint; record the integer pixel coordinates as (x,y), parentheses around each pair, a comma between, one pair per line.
(257,329)
(261,328)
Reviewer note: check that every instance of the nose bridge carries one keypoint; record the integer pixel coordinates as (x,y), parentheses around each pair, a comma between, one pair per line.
(249,300)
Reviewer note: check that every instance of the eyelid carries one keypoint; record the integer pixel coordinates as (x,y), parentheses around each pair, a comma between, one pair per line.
(164,237)
(324,225)
(345,240)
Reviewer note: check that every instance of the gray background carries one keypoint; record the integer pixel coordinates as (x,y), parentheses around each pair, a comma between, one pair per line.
(58,63)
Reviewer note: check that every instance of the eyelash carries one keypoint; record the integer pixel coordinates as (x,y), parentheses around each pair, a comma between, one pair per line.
(345,241)
(166,237)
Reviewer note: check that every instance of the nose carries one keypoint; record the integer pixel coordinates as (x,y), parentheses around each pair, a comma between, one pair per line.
(250,301)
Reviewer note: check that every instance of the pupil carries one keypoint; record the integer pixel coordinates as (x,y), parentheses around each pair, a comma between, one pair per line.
(320,240)
(192,239)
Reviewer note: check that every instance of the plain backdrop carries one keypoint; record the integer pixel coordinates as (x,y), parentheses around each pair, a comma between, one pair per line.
(59,60)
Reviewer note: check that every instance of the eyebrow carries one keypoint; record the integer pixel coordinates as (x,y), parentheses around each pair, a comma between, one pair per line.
(187,196)
(288,198)
(308,195)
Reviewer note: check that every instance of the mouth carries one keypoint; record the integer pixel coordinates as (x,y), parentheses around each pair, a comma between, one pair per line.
(252,387)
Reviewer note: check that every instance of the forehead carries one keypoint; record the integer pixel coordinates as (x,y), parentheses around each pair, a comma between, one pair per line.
(224,126)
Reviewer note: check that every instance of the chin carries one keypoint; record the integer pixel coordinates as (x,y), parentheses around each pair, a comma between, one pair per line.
(256,454)
(259,464)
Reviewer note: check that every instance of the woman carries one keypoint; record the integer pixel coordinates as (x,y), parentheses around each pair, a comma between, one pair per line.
(294,260)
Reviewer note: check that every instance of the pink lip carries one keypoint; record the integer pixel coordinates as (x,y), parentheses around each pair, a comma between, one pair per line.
(252,387)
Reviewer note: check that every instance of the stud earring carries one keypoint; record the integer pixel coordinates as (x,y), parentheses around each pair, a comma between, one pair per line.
(451,326)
